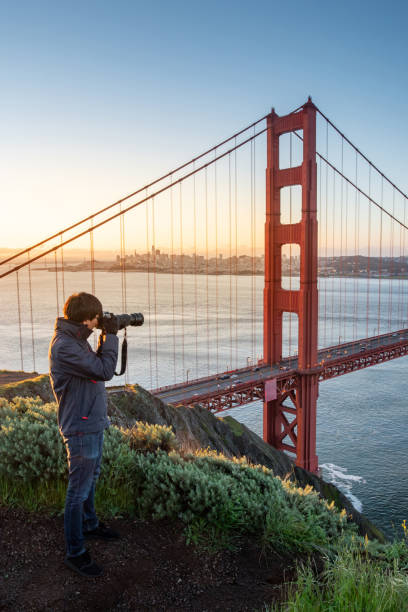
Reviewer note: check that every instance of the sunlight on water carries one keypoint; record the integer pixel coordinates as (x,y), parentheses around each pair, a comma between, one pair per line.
(201,325)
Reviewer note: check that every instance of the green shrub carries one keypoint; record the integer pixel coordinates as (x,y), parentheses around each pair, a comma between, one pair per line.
(232,496)
(30,444)
(147,437)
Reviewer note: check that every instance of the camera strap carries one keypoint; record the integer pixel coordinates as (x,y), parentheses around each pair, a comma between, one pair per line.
(124,356)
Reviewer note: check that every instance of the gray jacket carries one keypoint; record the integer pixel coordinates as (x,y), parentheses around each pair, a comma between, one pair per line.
(77,374)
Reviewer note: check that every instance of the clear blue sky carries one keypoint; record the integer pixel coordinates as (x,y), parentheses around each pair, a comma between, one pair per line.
(99,97)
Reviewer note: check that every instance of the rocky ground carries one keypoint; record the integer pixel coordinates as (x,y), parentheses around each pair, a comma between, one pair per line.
(150,568)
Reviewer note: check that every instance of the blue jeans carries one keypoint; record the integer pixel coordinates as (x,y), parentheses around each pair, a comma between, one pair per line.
(84,453)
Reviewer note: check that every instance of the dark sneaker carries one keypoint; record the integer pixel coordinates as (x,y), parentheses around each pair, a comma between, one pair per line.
(84,565)
(102,532)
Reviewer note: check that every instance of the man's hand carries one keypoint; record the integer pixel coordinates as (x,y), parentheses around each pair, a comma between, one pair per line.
(110,326)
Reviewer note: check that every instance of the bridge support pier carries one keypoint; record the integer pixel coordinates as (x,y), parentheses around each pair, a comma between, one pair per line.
(290,420)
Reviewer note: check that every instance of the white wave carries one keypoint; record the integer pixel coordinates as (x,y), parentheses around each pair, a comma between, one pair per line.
(338,476)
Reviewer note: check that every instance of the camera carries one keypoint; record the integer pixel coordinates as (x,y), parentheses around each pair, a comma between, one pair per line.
(123,320)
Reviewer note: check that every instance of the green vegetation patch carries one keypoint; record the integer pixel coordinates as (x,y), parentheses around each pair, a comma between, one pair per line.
(234,425)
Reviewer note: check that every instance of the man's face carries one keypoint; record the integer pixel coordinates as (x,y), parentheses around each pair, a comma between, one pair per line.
(91,323)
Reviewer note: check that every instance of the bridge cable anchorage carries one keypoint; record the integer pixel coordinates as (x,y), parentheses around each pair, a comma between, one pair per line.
(131,207)
(172,280)
(140,190)
(31,311)
(19,322)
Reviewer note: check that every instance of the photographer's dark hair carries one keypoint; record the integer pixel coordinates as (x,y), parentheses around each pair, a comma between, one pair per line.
(82,306)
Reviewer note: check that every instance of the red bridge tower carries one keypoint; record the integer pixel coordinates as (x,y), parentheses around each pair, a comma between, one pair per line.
(301,402)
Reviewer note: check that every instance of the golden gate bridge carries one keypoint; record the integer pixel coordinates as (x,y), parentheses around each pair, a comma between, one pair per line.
(325,219)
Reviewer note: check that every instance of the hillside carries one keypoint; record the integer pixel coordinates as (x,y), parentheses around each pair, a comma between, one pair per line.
(199,531)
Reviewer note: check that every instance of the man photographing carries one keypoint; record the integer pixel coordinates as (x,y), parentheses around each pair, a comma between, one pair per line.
(77,376)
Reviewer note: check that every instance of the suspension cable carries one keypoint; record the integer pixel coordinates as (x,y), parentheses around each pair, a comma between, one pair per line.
(144,188)
(360,153)
(125,210)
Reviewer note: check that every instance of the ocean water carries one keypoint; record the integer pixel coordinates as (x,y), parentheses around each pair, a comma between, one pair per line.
(197,325)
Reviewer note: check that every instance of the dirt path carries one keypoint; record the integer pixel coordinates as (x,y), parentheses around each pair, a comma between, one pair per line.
(150,568)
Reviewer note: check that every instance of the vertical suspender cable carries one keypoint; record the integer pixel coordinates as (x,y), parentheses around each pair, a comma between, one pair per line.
(290,250)
(123,272)
(92,265)
(230,258)
(236,250)
(172,278)
(63,271)
(341,241)
(56,282)
(92,257)
(405,315)
(368,251)
(19,322)
(326,239)
(254,296)
(206,271)
(345,280)
(380,260)
(195,272)
(155,290)
(332,273)
(216,261)
(400,292)
(31,310)
(356,243)
(252,253)
(391,270)
(319,235)
(182,277)
(148,254)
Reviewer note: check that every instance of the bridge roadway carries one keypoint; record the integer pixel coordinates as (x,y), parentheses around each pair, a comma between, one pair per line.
(228,389)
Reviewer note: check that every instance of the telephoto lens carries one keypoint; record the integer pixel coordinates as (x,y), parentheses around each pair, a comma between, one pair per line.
(123,320)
